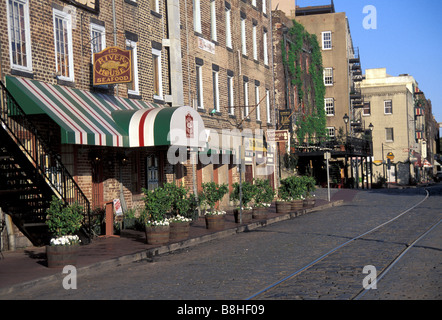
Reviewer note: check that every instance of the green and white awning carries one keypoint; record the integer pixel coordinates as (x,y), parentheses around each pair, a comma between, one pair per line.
(97,119)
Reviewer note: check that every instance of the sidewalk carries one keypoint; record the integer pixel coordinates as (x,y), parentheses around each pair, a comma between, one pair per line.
(26,268)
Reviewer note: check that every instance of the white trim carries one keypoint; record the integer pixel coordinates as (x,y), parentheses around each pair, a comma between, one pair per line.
(27,39)
(213,20)
(157,53)
(197,16)
(324,41)
(228,28)
(99,30)
(65,17)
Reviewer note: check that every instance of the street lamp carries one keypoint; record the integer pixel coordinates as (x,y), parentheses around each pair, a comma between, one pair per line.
(346,118)
(371,127)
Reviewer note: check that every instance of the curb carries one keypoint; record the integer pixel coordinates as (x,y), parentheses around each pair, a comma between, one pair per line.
(150,253)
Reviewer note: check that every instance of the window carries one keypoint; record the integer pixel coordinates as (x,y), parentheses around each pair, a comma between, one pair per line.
(264,6)
(196,16)
(64,62)
(329,106)
(157,78)
(98,38)
(330,132)
(389,136)
(258,109)
(366,111)
(133,88)
(269,119)
(199,87)
(255,46)
(328,76)
(246,98)
(264,44)
(254,3)
(230,94)
(327,40)
(19,35)
(228,27)
(213,19)
(215,83)
(155,6)
(243,35)
(388,107)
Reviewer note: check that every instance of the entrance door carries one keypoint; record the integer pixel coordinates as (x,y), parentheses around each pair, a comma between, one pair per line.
(152,172)
(97,185)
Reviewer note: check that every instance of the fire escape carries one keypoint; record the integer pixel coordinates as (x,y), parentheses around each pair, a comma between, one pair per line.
(356,99)
(31,174)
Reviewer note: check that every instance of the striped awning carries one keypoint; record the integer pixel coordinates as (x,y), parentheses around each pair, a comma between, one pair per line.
(97,119)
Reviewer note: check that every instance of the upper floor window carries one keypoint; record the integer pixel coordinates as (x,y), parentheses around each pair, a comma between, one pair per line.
(133,88)
(19,34)
(388,107)
(64,61)
(243,35)
(328,76)
(199,86)
(215,88)
(213,20)
(327,40)
(197,16)
(155,6)
(230,94)
(98,38)
(269,119)
(254,41)
(389,135)
(257,100)
(264,6)
(366,111)
(157,75)
(228,27)
(329,106)
(265,50)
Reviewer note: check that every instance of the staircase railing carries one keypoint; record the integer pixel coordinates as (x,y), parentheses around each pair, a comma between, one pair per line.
(48,164)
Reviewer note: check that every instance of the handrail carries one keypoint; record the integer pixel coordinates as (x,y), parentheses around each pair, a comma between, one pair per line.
(48,164)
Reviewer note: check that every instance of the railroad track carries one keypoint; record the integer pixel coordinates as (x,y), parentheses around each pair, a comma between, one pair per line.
(339,273)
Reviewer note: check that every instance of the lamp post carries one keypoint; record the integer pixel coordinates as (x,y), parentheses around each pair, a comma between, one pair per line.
(346,119)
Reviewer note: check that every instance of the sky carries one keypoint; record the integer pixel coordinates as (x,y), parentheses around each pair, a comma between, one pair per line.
(407,38)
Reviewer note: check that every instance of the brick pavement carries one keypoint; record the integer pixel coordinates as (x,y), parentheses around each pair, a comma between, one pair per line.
(25,268)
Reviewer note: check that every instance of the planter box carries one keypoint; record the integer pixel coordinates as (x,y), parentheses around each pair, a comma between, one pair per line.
(297,205)
(61,256)
(309,203)
(283,207)
(260,213)
(157,234)
(179,231)
(246,215)
(215,222)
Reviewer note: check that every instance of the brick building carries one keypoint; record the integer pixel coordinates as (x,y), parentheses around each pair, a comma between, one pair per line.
(198,67)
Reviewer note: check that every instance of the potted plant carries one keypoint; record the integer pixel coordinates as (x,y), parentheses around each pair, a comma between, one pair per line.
(283,202)
(263,198)
(310,186)
(247,192)
(63,222)
(158,204)
(292,189)
(211,194)
(182,206)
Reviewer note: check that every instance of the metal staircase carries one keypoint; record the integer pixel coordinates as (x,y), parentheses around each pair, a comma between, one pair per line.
(31,173)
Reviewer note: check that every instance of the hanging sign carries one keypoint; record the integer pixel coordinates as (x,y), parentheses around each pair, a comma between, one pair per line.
(90,5)
(112,65)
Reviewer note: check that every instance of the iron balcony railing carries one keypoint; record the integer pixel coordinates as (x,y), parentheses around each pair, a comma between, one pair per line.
(48,164)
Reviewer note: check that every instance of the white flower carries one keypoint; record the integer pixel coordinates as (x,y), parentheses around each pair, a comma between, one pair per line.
(179,218)
(164,222)
(215,212)
(65,240)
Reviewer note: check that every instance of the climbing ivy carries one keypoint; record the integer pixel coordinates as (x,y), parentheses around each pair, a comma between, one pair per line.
(312,122)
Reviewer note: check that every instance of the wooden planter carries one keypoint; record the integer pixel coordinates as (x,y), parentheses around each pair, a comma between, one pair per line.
(309,203)
(283,206)
(260,213)
(61,256)
(157,234)
(179,231)
(246,216)
(297,205)
(215,222)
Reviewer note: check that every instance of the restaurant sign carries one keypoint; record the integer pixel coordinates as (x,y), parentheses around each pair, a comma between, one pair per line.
(90,5)
(112,65)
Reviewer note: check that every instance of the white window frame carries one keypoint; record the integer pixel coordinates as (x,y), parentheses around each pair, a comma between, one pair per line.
(156,5)
(391,106)
(328,76)
(331,131)
(264,43)
(258,108)
(228,28)
(329,105)
(97,33)
(365,109)
(199,85)
(254,41)
(213,20)
(230,95)
(27,37)
(67,18)
(215,84)
(157,54)
(392,135)
(269,117)
(132,45)
(197,16)
(264,6)
(246,99)
(254,3)
(327,42)
(243,37)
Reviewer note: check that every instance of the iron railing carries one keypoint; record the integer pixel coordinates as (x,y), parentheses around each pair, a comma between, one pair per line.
(48,163)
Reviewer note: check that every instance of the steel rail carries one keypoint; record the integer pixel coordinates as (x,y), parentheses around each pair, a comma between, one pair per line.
(294,274)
